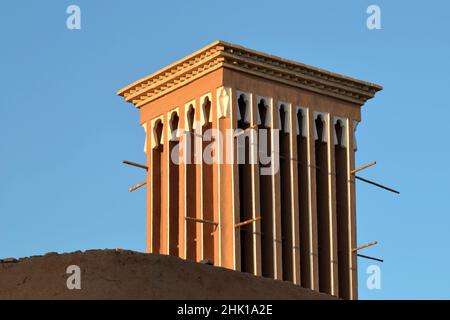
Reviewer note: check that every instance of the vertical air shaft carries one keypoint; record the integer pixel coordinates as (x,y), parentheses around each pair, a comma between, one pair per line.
(287,235)
(174,182)
(207,179)
(190,195)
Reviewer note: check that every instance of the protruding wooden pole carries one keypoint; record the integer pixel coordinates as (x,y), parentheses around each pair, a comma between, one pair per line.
(365,246)
(135,164)
(377,185)
(364,167)
(243,223)
(202,221)
(370,258)
(245,130)
(137,186)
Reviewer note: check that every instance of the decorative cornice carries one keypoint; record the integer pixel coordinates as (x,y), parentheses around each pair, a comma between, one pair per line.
(222,54)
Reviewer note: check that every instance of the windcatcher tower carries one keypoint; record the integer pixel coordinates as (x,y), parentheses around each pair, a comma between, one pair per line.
(297,223)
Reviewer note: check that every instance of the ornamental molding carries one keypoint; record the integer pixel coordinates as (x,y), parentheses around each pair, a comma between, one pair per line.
(221,54)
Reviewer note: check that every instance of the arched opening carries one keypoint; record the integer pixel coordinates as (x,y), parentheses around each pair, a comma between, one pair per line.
(340,153)
(245,189)
(190,118)
(323,220)
(262,112)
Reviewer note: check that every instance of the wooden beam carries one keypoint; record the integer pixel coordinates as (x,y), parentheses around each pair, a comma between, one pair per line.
(243,223)
(135,164)
(245,130)
(370,258)
(365,246)
(377,185)
(137,186)
(363,167)
(202,221)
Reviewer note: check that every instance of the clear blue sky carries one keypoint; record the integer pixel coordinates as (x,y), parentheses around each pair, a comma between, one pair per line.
(63,132)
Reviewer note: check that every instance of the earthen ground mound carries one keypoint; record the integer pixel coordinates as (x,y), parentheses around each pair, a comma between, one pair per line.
(123,274)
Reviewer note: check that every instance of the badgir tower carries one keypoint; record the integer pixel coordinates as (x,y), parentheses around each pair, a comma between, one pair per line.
(291,218)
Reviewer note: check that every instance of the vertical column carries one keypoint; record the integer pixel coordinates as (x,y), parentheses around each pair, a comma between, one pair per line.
(182,223)
(312,204)
(197,137)
(226,183)
(276,199)
(334,278)
(256,226)
(164,249)
(350,131)
(216,177)
(295,218)
(234,177)
(147,150)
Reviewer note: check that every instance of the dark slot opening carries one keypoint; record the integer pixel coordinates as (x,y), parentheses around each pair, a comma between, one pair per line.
(303,199)
(342,214)
(208,205)
(266,206)
(285,198)
(174,194)
(156,189)
(191,181)
(323,221)
(245,192)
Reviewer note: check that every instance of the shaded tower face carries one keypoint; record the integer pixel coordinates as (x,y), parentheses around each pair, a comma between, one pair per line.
(250,159)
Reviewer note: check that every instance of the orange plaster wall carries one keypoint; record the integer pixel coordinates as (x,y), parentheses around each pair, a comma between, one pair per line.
(179,97)
(160,107)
